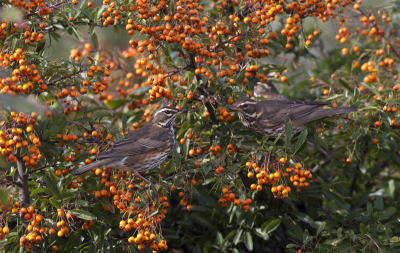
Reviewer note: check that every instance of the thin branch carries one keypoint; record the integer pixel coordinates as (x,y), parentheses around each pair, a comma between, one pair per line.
(42,168)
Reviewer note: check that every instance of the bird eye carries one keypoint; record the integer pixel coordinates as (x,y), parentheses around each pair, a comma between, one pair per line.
(168,112)
(245,106)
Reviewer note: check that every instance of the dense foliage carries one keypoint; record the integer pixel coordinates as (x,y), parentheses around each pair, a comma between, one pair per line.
(331,187)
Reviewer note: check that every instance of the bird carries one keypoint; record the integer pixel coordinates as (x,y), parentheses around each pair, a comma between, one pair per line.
(268,117)
(142,150)
(268,91)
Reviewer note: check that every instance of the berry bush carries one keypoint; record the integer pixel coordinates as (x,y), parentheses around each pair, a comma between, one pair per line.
(77,76)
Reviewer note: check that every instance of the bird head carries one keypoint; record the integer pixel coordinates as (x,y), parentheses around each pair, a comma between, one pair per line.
(165,116)
(246,109)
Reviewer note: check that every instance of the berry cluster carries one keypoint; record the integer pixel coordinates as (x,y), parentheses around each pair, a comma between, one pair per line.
(229,196)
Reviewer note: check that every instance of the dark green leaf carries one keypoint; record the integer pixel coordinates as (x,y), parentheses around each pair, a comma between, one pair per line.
(83,214)
(124,123)
(52,186)
(105,133)
(363,229)
(321,227)
(372,88)
(300,140)
(78,34)
(74,240)
(114,104)
(261,233)
(203,222)
(54,202)
(272,226)
(345,85)
(378,203)
(237,237)
(37,191)
(107,204)
(95,42)
(387,213)
(248,241)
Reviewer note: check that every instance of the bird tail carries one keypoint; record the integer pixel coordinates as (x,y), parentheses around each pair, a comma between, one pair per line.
(93,165)
(329,112)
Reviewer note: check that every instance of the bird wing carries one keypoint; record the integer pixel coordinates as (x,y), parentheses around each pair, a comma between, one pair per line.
(276,112)
(135,144)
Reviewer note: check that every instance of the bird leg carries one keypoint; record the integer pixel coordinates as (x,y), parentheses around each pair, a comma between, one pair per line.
(153,188)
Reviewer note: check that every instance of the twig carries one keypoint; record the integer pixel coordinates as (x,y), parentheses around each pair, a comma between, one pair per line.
(322,164)
(374,243)
(42,168)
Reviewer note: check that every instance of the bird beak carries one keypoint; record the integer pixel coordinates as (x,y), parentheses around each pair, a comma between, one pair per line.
(232,107)
(183,111)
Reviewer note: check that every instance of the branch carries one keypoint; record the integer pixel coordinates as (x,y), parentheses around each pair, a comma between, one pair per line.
(22,183)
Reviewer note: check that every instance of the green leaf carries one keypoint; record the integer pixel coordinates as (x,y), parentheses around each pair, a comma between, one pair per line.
(37,191)
(270,227)
(152,213)
(74,240)
(82,202)
(14,43)
(356,94)
(291,245)
(248,241)
(363,229)
(378,203)
(124,123)
(277,138)
(96,108)
(52,186)
(372,88)
(237,237)
(201,221)
(261,234)
(114,104)
(139,91)
(8,30)
(321,227)
(54,202)
(78,34)
(300,140)
(95,42)
(369,209)
(105,133)
(229,236)
(83,214)
(387,213)
(345,85)
(107,204)
(186,148)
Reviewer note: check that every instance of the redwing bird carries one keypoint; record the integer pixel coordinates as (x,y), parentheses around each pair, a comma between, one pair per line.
(142,150)
(268,91)
(268,117)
